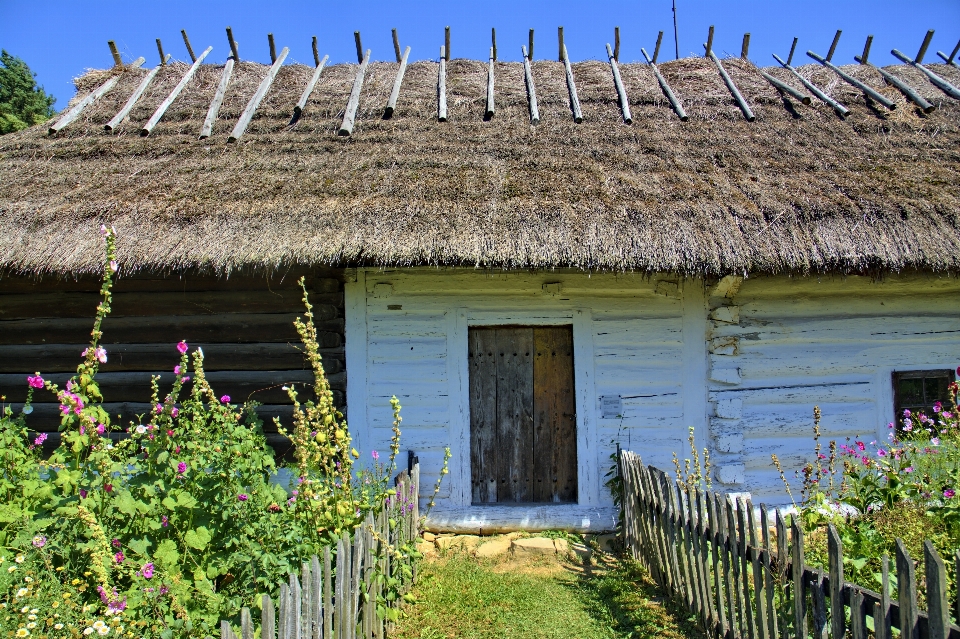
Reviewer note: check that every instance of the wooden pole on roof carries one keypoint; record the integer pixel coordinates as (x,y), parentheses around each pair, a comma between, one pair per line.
(734,91)
(442,86)
(531,89)
(618,83)
(155,118)
(350,115)
(446,42)
(76,109)
(572,88)
(949,59)
(396,44)
(839,108)
(134,97)
(793,48)
(217,101)
(530,47)
(656,49)
(248,112)
(186,41)
(316,52)
(489,110)
(942,84)
(117,61)
(785,88)
(882,99)
(395,94)
(273,48)
(233,45)
(616,44)
(493,38)
(302,102)
(356,39)
(163,58)
(833,45)
(560,39)
(709,44)
(923,47)
(745,48)
(667,91)
(891,79)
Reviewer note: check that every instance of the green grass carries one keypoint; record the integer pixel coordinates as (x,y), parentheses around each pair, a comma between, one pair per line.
(459,596)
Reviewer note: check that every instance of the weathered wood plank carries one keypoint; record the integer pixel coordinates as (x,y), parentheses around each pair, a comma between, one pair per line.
(907,594)
(702,543)
(531,89)
(257,98)
(692,547)
(799,598)
(554,419)
(723,627)
(350,114)
(819,607)
(134,97)
(572,88)
(311,84)
(835,561)
(621,91)
(514,407)
(207,129)
(268,618)
(751,613)
(482,360)
(858,628)
(246,624)
(327,595)
(158,114)
(395,93)
(744,615)
(773,631)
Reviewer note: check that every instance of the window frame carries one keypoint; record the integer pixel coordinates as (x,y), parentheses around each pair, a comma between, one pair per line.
(928,373)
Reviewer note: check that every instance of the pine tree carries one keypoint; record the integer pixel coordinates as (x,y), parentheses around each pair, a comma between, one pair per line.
(22,102)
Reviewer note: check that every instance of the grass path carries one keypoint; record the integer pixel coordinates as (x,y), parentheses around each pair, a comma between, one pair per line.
(461,596)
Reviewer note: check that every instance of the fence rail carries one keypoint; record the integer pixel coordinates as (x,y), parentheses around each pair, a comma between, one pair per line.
(703,548)
(336,597)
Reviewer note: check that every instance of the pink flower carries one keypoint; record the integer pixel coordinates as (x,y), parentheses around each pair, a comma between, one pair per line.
(159,408)
(908,469)
(164,522)
(83,494)
(104,231)
(100,429)
(182,468)
(115,543)
(907,413)
(375,454)
(174,411)
(108,488)
(113,266)
(147,570)
(101,354)
(186,378)
(83,429)
(39,541)
(119,557)
(937,407)
(935,441)
(42,437)
(225,399)
(182,347)
(242,497)
(881,452)
(35,381)
(949,493)
(169,433)
(176,369)
(176,450)
(861,446)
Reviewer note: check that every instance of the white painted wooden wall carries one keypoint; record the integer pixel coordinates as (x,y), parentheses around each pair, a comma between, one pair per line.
(407,336)
(785,344)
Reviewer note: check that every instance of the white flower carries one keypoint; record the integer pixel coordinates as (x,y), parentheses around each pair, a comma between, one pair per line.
(28,579)
(22,592)
(88,630)
(31,625)
(19,559)
(58,626)
(27,410)
(25,609)
(141,429)
(11,568)
(103,631)
(34,611)
(98,624)
(32,617)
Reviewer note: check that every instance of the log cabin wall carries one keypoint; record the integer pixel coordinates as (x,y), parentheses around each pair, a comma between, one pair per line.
(243,322)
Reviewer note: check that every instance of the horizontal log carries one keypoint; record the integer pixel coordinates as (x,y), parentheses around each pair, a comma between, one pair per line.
(137,304)
(322,280)
(64,358)
(168,329)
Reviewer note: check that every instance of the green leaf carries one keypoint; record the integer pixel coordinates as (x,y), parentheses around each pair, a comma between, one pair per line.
(169,503)
(186,500)
(198,538)
(166,553)
(126,503)
(140,546)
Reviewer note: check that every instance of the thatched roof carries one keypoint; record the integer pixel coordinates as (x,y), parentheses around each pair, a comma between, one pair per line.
(799,189)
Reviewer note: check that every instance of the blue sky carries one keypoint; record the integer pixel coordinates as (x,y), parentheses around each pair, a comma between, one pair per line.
(61,38)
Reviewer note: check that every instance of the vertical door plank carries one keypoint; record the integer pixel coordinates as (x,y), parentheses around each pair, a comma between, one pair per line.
(482,358)
(554,425)
(514,414)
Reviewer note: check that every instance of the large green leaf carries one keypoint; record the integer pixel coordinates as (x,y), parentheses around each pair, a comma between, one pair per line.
(198,538)
(166,553)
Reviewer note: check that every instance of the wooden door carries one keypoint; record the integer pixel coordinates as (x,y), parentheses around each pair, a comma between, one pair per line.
(523,444)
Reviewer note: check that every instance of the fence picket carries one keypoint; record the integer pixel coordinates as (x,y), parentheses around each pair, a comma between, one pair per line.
(678,513)
(246,624)
(316,599)
(327,595)
(748,611)
(734,550)
(799,600)
(883,625)
(772,625)
(284,605)
(938,610)
(703,546)
(293,631)
(835,561)
(693,524)
(906,594)
(717,551)
(758,581)
(306,589)
(268,621)
(819,601)
(858,629)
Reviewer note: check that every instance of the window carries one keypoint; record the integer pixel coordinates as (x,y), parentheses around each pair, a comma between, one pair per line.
(917,391)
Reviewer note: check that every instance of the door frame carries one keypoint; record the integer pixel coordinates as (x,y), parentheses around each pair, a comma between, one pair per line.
(458,368)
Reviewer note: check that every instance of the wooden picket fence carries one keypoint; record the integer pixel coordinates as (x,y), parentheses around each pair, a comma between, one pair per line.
(703,548)
(336,597)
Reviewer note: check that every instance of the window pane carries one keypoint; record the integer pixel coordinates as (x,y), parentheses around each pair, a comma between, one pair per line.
(935,389)
(911,391)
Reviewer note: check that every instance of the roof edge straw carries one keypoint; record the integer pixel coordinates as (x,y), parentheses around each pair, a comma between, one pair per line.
(214,109)
(490,108)
(572,88)
(311,84)
(531,89)
(667,91)
(132,100)
(905,88)
(350,114)
(618,82)
(74,111)
(247,114)
(155,118)
(747,112)
(942,84)
(786,88)
(395,93)
(823,97)
(890,104)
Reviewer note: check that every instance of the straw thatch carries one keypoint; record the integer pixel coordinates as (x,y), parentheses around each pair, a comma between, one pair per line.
(799,190)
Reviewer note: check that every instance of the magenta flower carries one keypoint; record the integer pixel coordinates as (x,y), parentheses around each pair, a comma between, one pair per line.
(169,433)
(174,411)
(881,452)
(147,570)
(108,488)
(42,437)
(176,369)
(225,399)
(83,493)
(119,557)
(186,378)
(242,497)
(949,493)
(164,522)
(907,413)
(39,541)
(35,381)
(101,429)
(182,468)
(115,543)
(159,408)
(375,454)
(908,469)
(182,347)
(937,407)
